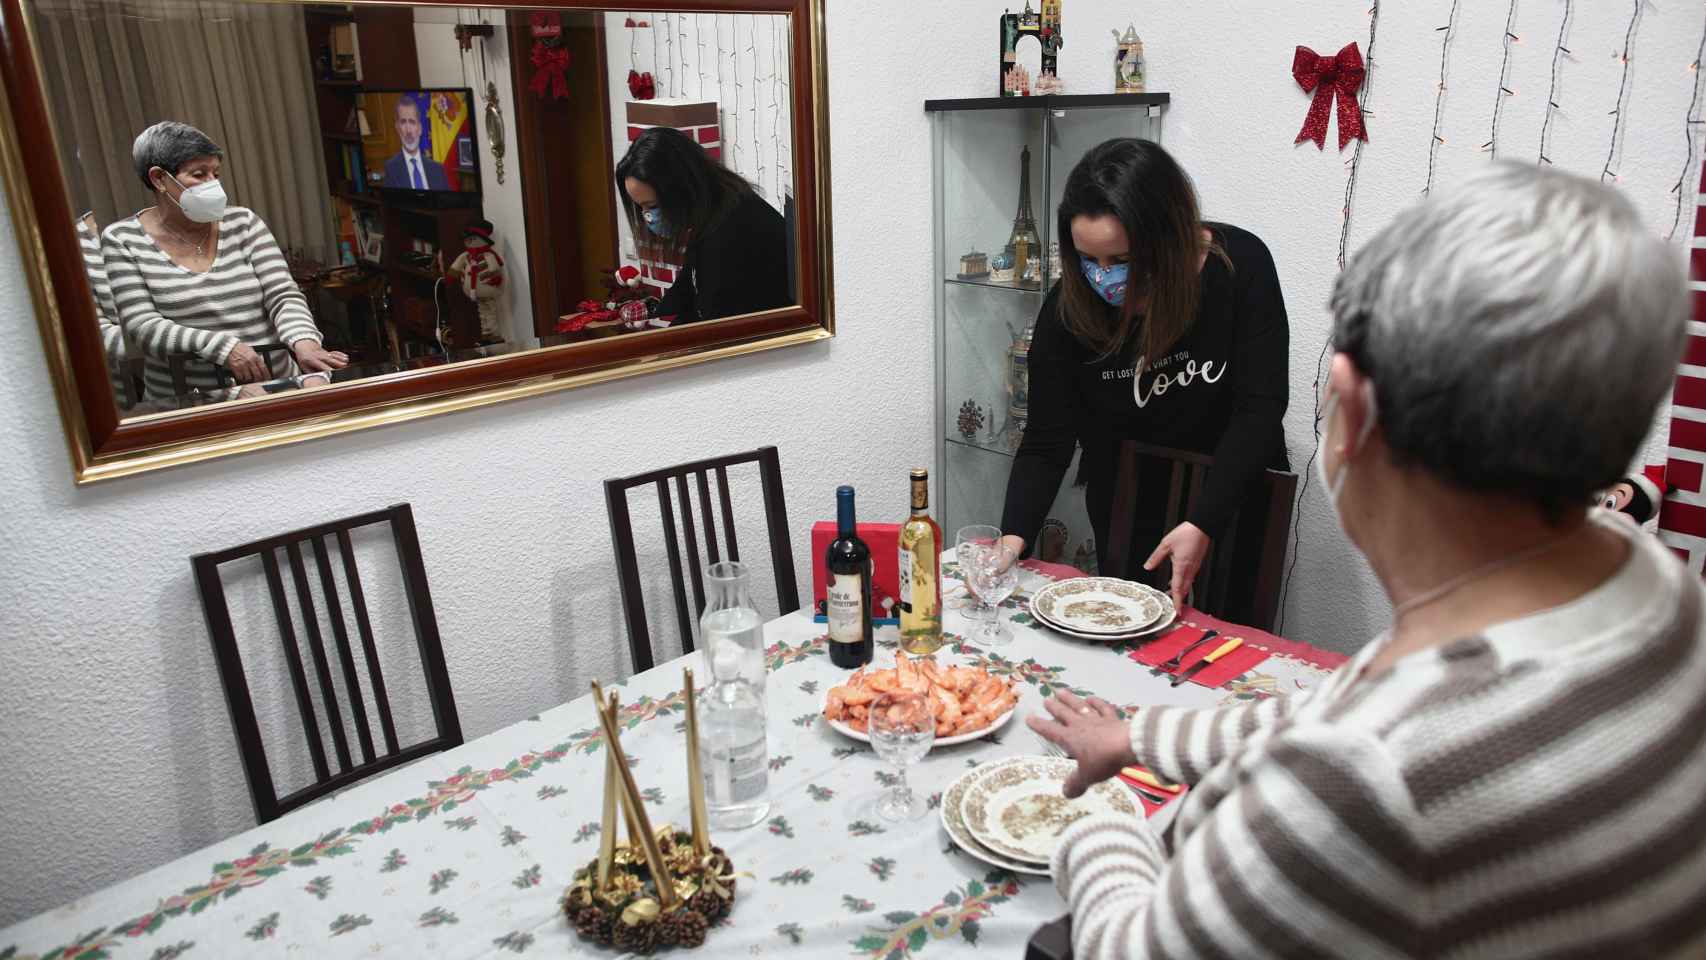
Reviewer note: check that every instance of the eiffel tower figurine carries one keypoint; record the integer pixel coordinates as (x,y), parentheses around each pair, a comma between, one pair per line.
(1024,246)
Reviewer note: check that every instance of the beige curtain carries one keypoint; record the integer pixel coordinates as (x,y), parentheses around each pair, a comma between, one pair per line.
(239,71)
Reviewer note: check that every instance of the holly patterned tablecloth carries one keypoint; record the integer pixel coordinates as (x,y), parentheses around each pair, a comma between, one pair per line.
(467,853)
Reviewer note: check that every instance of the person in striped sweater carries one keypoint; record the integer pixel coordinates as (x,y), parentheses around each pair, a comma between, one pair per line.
(1517,767)
(192,274)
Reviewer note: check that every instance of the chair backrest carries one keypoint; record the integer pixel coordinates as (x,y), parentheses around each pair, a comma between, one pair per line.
(268,804)
(627,564)
(1052,941)
(1243,546)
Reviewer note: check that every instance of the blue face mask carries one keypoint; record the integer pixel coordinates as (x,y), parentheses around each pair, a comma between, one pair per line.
(656,223)
(1109,282)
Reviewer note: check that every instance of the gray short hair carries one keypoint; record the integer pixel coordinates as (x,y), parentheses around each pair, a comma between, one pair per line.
(1520,329)
(169,145)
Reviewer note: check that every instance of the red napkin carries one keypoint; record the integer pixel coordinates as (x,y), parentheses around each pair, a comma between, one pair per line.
(1227,667)
(1149,806)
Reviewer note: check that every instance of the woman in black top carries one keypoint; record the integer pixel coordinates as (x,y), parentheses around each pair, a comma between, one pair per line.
(1165,330)
(732,246)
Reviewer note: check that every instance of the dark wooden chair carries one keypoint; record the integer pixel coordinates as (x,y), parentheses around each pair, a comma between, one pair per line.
(627,565)
(1052,941)
(268,804)
(1244,545)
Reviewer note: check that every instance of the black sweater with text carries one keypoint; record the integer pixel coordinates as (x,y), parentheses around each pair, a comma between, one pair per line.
(1220,390)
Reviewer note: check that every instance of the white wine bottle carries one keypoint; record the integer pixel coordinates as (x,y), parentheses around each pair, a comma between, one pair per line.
(920,573)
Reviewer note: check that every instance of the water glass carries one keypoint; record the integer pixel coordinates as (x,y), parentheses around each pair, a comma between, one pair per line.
(994,575)
(966,543)
(902,732)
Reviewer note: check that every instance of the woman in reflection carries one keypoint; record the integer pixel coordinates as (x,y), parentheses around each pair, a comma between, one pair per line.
(194,275)
(1166,330)
(731,244)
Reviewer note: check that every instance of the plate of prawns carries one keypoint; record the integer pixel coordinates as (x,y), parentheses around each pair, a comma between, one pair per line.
(967,702)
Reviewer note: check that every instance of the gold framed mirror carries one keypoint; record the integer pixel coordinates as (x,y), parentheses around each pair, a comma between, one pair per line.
(251,222)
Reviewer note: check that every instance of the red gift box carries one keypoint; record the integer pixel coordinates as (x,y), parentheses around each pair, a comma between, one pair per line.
(884,541)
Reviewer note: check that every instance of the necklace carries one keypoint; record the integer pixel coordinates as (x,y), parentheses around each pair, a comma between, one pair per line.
(1456,582)
(183,238)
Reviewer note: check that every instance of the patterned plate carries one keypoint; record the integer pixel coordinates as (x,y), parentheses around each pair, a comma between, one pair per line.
(953,821)
(1147,633)
(1017,809)
(1102,606)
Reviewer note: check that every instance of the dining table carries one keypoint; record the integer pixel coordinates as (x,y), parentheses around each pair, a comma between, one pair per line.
(467,853)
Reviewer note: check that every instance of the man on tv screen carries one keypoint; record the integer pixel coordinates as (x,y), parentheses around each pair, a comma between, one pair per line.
(412,169)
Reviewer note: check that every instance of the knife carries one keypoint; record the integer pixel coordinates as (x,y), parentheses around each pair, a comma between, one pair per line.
(1202,664)
(1179,658)
(1149,779)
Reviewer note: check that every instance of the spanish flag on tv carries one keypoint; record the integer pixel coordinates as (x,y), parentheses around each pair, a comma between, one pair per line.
(450,123)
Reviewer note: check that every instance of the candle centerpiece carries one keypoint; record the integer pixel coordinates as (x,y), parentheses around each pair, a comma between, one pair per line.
(663,887)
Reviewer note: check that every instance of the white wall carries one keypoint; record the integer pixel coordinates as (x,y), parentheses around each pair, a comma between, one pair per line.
(443,64)
(118,751)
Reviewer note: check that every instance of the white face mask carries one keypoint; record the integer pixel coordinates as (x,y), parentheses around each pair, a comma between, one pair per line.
(1335,485)
(202,203)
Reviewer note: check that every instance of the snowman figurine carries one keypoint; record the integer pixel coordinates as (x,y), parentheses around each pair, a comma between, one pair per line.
(480,271)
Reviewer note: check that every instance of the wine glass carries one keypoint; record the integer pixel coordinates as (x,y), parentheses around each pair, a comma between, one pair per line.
(966,543)
(993,575)
(902,731)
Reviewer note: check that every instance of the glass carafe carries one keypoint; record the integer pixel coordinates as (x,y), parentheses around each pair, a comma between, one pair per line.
(734,752)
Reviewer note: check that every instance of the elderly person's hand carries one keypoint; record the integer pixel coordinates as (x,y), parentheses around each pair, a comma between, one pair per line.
(250,391)
(315,359)
(1187,545)
(246,365)
(1092,732)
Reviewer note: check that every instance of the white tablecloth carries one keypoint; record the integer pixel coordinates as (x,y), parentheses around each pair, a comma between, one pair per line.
(467,853)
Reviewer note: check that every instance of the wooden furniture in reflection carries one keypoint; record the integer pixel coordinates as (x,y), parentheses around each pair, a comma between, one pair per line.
(1052,941)
(566,164)
(627,564)
(374,757)
(1255,537)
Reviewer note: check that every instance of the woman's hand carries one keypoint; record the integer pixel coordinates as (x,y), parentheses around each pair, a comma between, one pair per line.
(1187,545)
(314,358)
(1092,732)
(246,365)
(250,391)
(1016,544)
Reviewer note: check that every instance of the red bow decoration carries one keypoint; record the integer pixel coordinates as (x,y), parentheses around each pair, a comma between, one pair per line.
(1339,75)
(550,70)
(641,85)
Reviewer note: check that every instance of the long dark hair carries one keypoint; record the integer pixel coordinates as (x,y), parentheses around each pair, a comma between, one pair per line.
(1143,187)
(694,191)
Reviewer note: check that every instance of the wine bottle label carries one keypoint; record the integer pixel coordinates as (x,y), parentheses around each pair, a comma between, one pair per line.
(737,776)
(846,619)
(905,600)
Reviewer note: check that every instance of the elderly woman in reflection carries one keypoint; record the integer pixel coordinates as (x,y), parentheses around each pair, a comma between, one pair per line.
(193,274)
(1517,766)
(686,206)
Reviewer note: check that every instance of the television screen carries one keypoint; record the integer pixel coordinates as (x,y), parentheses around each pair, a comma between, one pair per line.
(421,140)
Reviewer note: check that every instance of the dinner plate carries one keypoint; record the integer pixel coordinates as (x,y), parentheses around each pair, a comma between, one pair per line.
(1100,606)
(1168,615)
(954,822)
(1000,722)
(1017,810)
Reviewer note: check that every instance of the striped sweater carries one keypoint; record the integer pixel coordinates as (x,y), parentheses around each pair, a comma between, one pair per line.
(246,296)
(112,337)
(1535,791)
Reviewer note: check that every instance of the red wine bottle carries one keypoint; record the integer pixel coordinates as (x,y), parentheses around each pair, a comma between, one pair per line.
(849,606)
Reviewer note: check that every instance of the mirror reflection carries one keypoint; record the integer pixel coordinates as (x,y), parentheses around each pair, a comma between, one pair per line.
(284,197)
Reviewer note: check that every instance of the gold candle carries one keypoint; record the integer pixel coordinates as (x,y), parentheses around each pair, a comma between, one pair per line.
(695,776)
(607,825)
(661,877)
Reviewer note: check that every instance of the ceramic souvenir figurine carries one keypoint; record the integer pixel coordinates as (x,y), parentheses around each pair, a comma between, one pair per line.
(1045,26)
(974,266)
(1128,62)
(1001,268)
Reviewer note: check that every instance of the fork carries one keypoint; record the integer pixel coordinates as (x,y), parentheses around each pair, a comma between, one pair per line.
(1055,750)
(1179,658)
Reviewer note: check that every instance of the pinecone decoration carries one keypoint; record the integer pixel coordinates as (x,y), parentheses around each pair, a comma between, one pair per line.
(688,928)
(706,904)
(638,938)
(590,922)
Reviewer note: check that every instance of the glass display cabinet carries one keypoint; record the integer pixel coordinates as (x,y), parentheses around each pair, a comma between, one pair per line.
(1000,164)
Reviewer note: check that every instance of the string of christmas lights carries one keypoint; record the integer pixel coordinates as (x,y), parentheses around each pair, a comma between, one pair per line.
(752,52)
(1690,121)
(1450,30)
(734,54)
(1622,90)
(775,96)
(633,46)
(681,28)
(699,32)
(1559,52)
(1492,144)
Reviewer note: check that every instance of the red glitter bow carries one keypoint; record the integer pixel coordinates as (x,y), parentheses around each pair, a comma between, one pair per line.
(641,85)
(550,70)
(1329,76)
